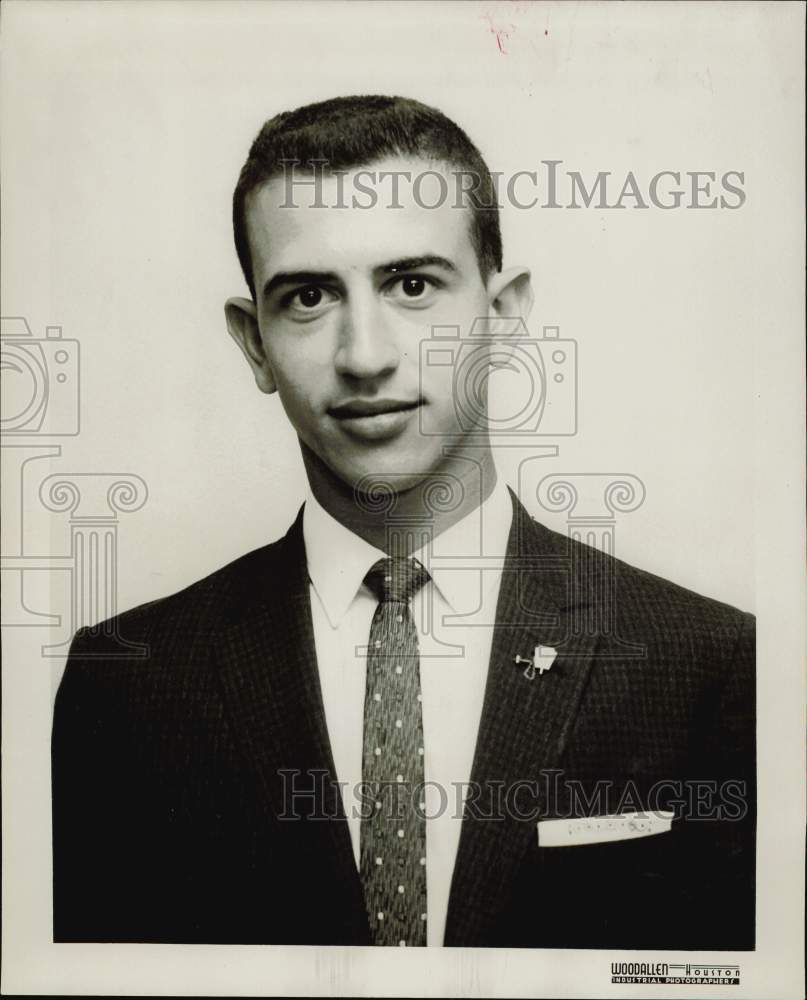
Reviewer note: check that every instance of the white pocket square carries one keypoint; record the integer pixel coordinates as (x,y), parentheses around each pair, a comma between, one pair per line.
(602,829)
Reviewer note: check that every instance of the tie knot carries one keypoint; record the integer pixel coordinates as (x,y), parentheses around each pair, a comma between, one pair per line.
(396,579)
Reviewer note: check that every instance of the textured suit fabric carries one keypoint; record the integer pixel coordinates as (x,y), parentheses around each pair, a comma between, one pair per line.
(195,800)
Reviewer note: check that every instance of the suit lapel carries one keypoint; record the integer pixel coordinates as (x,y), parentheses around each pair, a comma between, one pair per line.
(270,681)
(524,723)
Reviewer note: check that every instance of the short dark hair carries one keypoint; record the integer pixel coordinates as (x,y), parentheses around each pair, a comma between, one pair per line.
(349,132)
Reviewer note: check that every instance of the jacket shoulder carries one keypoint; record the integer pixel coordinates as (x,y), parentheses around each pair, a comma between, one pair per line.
(639,595)
(202,607)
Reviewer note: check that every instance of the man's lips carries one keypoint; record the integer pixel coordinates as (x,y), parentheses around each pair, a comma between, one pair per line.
(358,408)
(374,419)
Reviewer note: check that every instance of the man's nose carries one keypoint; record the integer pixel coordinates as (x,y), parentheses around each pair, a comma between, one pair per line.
(367,348)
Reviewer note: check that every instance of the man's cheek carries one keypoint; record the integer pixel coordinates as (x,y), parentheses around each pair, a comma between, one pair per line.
(441,393)
(443,416)
(297,405)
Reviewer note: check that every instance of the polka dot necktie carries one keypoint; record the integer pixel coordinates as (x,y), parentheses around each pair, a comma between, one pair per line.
(393,827)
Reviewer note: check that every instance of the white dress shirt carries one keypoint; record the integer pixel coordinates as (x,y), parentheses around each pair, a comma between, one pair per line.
(454,615)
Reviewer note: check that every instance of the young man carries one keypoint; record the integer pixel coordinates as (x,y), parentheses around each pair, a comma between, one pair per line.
(411,720)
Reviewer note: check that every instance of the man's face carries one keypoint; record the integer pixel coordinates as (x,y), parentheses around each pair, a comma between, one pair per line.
(344,298)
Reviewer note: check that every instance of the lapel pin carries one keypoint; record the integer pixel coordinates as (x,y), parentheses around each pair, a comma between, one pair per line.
(542,659)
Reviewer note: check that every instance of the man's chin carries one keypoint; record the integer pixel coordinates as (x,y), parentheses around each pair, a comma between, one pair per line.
(378,480)
(387,470)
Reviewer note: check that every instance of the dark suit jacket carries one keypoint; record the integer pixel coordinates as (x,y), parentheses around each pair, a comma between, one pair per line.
(167,796)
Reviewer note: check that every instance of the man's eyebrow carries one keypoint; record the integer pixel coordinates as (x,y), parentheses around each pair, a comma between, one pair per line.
(297,278)
(321,277)
(412,263)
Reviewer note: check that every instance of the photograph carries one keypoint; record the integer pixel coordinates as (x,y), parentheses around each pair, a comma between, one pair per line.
(403,490)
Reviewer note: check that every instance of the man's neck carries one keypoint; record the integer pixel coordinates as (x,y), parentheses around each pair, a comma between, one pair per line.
(400,523)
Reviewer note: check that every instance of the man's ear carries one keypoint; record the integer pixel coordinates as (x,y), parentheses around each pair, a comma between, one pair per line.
(242,322)
(510,293)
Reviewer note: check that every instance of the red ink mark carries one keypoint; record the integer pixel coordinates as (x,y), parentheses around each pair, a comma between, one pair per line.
(502,33)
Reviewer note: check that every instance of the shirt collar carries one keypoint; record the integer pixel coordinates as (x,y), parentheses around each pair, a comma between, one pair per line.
(338,559)
(482,533)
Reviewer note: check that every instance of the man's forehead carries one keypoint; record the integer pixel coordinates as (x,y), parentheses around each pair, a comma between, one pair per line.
(319,218)
(391,179)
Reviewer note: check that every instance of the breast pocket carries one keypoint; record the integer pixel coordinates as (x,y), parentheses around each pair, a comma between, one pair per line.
(626,893)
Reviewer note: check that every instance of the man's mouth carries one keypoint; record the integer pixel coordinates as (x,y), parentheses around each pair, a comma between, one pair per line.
(374,419)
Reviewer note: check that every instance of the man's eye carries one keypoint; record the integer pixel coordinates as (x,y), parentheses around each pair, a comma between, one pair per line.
(412,288)
(307,299)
